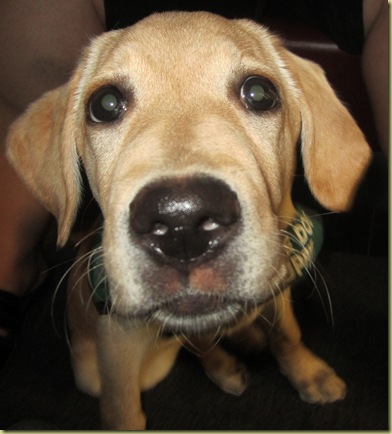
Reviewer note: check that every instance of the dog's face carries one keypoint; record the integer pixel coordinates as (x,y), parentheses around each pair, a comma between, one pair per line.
(195,172)
(187,126)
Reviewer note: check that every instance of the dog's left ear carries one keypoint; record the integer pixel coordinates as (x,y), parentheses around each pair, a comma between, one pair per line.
(334,150)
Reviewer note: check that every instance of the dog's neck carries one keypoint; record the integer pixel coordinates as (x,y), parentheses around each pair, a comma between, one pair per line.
(303,239)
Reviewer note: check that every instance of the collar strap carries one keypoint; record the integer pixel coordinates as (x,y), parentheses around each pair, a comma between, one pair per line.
(302,243)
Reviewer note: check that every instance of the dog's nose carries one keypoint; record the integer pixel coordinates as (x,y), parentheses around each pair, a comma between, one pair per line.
(184,220)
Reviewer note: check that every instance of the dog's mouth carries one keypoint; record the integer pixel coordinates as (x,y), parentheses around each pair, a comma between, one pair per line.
(197,313)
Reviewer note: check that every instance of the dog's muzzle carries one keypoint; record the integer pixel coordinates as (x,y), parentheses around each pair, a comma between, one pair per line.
(186,221)
(186,228)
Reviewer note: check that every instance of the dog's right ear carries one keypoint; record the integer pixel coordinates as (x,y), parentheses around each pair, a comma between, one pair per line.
(41,147)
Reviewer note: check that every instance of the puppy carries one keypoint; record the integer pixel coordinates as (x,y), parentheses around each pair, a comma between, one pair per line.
(187,126)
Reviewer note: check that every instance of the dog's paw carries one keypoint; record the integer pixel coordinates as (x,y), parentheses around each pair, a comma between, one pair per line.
(232,381)
(324,387)
(227,373)
(315,381)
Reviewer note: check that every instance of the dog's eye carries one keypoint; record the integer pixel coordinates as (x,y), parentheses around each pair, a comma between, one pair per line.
(106,105)
(258,93)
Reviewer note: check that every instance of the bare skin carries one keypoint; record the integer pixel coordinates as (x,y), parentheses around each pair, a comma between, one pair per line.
(375,65)
(41,42)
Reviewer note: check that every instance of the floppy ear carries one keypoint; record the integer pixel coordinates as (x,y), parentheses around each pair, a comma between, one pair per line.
(41,146)
(334,150)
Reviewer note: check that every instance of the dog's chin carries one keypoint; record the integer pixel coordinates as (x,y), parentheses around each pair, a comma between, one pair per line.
(205,322)
(196,313)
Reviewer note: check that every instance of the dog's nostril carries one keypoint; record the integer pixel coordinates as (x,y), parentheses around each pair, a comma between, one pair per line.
(184,219)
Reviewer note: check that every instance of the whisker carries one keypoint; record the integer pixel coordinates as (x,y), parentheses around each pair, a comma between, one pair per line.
(310,268)
(89,235)
(59,285)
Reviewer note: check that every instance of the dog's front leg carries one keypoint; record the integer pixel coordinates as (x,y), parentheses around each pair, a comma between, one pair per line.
(314,379)
(122,347)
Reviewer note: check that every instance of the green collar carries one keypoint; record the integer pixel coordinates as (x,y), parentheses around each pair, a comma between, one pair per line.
(302,243)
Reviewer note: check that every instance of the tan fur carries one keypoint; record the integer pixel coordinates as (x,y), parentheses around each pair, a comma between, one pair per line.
(185,118)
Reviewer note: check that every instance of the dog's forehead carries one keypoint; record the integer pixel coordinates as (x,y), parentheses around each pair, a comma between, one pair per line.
(188,44)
